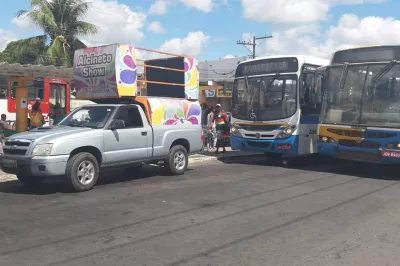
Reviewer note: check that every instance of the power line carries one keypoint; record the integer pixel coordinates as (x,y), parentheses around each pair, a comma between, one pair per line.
(254,44)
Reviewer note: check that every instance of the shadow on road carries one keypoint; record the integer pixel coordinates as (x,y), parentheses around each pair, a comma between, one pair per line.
(57,184)
(317,163)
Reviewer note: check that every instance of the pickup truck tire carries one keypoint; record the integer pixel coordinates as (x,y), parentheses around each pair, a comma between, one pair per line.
(30,180)
(82,171)
(177,160)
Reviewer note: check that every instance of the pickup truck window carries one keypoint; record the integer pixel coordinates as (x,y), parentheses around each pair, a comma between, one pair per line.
(131,116)
(89,116)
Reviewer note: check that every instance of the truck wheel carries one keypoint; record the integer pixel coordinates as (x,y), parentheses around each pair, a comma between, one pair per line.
(177,160)
(30,180)
(82,171)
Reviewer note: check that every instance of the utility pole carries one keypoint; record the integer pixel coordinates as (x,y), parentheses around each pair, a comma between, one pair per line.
(254,44)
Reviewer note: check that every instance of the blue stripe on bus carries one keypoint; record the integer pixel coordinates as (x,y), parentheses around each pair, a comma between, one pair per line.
(309,119)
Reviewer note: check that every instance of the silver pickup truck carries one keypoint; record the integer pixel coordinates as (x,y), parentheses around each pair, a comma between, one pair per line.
(93,137)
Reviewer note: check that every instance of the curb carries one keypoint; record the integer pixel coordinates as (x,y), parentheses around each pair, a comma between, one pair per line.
(194,159)
(203,158)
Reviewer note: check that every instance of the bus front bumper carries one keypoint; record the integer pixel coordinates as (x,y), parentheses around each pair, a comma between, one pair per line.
(283,146)
(384,156)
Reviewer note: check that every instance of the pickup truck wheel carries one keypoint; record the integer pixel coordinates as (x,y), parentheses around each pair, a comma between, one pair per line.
(82,171)
(177,160)
(30,180)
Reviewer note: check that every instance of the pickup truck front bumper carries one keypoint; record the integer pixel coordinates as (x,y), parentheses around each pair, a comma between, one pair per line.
(34,165)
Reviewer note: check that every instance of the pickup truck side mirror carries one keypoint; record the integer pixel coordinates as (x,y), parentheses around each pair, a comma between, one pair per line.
(117,124)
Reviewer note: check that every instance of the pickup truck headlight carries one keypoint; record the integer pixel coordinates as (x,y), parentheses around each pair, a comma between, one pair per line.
(285,133)
(42,149)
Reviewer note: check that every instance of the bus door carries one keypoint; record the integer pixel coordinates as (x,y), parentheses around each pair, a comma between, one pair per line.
(309,117)
(59,95)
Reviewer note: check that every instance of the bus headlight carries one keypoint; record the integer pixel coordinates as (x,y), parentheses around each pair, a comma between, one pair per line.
(324,139)
(285,133)
(42,149)
(235,132)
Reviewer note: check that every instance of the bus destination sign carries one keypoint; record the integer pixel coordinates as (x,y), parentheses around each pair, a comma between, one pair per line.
(267,66)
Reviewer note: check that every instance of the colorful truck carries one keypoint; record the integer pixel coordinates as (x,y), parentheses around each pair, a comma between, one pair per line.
(121,130)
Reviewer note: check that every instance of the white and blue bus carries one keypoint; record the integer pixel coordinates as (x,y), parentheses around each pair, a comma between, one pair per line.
(275,105)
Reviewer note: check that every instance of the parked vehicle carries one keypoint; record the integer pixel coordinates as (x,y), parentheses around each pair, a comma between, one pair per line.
(359,118)
(275,106)
(93,137)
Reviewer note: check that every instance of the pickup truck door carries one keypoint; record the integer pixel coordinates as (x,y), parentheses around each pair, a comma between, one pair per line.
(129,144)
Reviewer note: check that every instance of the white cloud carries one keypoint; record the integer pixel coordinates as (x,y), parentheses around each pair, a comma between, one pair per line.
(293,11)
(22,23)
(350,31)
(117,23)
(159,7)
(191,45)
(228,56)
(155,26)
(201,5)
(5,38)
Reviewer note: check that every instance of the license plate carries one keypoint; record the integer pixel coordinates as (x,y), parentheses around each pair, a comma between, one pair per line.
(10,163)
(284,147)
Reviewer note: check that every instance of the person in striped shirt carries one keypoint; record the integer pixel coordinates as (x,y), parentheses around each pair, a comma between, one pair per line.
(221,121)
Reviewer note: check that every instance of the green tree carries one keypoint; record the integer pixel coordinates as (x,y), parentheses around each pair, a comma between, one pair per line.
(62,24)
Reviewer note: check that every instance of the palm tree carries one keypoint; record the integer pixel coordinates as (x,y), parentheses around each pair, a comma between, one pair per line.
(62,24)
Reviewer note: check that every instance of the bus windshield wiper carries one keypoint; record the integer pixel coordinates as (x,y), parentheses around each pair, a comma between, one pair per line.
(246,81)
(383,71)
(343,76)
(271,82)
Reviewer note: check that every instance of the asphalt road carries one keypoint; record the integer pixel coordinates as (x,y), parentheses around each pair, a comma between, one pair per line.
(219,213)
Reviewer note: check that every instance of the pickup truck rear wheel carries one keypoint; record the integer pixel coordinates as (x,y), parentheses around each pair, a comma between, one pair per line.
(177,160)
(82,171)
(30,180)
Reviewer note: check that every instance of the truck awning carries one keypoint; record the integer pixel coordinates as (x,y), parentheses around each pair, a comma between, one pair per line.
(18,70)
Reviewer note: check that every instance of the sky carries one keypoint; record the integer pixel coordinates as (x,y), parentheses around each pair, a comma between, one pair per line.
(210,29)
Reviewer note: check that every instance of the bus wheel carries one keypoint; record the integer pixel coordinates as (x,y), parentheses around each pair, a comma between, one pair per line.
(273,158)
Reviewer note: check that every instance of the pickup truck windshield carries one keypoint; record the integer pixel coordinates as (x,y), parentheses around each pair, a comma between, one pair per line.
(89,116)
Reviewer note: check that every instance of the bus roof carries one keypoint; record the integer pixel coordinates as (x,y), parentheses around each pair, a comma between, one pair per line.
(305,58)
(375,53)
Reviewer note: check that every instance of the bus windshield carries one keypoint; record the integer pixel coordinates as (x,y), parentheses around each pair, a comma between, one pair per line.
(364,97)
(264,98)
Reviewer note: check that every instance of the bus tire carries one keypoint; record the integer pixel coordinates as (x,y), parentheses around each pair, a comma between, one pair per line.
(82,171)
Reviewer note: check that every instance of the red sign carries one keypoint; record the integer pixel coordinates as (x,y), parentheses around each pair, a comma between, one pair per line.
(391,154)
(284,147)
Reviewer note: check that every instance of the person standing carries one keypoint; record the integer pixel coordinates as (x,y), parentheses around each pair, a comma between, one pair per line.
(3,122)
(221,121)
(211,128)
(35,116)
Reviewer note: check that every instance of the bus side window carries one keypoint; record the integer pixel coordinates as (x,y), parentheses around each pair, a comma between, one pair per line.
(3,92)
(318,91)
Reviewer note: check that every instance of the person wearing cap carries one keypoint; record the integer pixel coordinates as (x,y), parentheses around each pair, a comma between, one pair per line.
(221,121)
